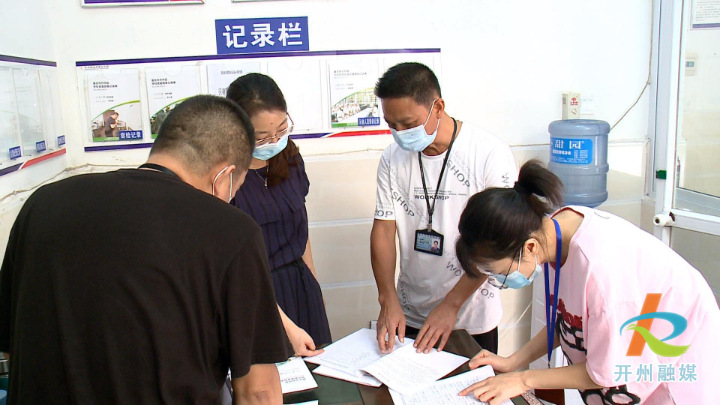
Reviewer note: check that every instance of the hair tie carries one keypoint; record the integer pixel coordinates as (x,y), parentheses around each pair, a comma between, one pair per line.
(520,189)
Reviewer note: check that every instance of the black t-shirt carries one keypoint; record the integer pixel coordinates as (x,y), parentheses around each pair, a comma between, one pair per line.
(134,287)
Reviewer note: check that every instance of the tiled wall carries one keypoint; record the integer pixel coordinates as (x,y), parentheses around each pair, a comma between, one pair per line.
(341,205)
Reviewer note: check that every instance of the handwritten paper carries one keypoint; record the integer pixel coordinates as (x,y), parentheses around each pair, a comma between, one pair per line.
(445,392)
(353,352)
(406,371)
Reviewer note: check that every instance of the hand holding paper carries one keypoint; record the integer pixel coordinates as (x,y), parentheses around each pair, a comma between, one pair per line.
(446,391)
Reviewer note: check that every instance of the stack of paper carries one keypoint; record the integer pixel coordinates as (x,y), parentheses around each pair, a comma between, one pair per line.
(445,392)
(357,358)
(295,376)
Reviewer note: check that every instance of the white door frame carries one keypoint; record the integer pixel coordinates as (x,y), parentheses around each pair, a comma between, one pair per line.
(664,121)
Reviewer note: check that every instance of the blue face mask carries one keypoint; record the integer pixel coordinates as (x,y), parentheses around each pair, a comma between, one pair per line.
(517,280)
(416,139)
(269,150)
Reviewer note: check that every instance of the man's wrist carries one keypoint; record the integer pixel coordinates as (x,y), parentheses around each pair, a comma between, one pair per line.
(388,297)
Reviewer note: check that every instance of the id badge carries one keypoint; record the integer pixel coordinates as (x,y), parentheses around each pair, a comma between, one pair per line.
(429,242)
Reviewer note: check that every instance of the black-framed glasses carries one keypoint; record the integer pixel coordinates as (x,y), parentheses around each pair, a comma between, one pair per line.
(278,135)
(493,278)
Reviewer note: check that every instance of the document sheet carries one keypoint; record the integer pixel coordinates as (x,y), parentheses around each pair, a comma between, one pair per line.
(363,380)
(295,376)
(353,352)
(407,371)
(445,392)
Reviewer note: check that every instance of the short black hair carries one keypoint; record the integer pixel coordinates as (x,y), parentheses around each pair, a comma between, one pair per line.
(204,131)
(409,79)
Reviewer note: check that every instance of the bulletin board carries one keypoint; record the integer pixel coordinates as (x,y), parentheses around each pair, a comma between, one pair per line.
(31,127)
(329,93)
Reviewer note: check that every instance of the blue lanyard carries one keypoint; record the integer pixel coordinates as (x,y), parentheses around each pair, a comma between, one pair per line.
(548,306)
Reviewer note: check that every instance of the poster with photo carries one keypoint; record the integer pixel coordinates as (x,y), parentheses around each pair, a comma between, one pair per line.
(167,88)
(114,102)
(220,75)
(352,99)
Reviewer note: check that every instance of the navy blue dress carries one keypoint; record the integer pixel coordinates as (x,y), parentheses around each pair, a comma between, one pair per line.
(280,211)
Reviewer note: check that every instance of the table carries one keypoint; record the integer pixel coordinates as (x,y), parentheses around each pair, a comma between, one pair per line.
(333,391)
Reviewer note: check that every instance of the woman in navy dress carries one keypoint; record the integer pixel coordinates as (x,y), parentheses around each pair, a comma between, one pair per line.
(274,195)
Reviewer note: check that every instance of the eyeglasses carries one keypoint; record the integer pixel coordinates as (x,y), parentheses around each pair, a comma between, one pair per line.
(278,135)
(493,277)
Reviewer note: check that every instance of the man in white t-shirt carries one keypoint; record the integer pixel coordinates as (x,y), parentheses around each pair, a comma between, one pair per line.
(420,199)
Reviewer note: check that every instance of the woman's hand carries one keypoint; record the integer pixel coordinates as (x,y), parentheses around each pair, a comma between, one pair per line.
(499,364)
(495,390)
(301,342)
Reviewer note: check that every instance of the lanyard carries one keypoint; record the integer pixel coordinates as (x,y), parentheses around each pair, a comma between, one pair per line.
(431,209)
(548,318)
(159,168)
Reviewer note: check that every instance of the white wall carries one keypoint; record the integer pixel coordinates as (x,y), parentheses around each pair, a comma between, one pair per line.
(504,67)
(25,31)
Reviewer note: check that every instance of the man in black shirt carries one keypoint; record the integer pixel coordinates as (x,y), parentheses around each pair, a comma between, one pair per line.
(153,298)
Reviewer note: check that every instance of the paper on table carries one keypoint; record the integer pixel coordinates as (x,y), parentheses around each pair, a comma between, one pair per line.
(295,376)
(332,373)
(353,352)
(316,402)
(445,392)
(407,371)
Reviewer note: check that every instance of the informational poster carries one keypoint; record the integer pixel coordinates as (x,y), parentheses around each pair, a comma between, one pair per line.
(352,99)
(9,132)
(706,14)
(30,115)
(114,103)
(303,96)
(111,3)
(167,88)
(220,75)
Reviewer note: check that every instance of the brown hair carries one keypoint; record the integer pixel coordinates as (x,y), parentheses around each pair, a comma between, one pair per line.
(496,222)
(256,92)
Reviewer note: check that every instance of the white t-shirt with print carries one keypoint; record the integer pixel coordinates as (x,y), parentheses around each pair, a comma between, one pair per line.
(478,160)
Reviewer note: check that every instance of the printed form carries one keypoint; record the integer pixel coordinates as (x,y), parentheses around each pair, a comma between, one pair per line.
(295,376)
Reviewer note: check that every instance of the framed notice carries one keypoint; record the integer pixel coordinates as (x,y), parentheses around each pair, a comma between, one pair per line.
(352,99)
(706,14)
(112,3)
(114,104)
(167,88)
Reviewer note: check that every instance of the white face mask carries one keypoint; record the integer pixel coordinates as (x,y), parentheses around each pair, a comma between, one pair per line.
(416,139)
(231,183)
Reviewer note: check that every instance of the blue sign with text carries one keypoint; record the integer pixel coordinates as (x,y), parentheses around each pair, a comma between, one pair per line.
(368,121)
(61,140)
(15,152)
(40,146)
(257,35)
(130,135)
(571,151)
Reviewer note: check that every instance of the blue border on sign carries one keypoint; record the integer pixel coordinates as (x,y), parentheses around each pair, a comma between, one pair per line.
(27,61)
(254,56)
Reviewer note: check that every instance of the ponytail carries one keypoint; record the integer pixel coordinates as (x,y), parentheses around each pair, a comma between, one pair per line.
(497,221)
